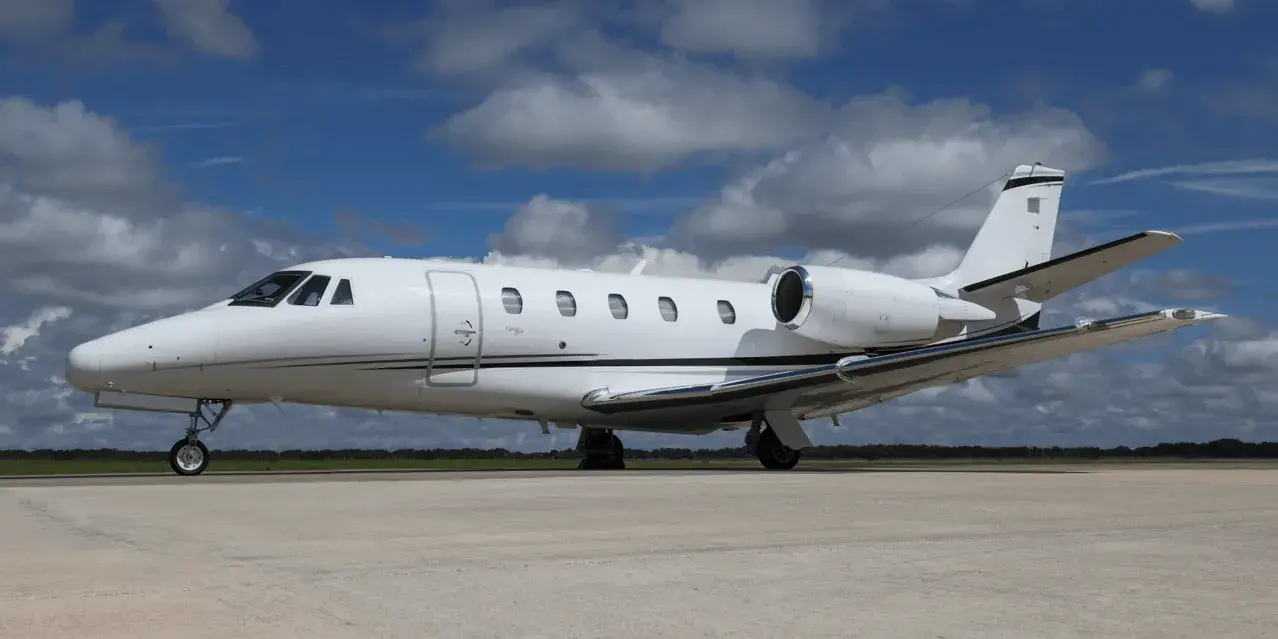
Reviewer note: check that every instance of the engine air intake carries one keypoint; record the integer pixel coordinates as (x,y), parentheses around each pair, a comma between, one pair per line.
(792,296)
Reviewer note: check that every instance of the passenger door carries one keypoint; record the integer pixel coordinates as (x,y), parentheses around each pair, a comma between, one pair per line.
(457,330)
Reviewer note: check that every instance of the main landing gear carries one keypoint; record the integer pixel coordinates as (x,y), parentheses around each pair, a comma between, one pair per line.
(600,450)
(767,447)
(189,455)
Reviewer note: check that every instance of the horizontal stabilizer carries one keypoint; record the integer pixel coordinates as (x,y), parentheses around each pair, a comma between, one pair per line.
(1044,281)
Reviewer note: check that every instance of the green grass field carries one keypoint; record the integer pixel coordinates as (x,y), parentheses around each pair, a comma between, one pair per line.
(96,467)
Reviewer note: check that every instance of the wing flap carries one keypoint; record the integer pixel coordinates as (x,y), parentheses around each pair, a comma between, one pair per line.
(857,381)
(1042,282)
(879,383)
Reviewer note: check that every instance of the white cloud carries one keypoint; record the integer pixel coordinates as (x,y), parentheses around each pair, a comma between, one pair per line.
(634,119)
(747,28)
(209,26)
(467,37)
(27,21)
(1230,225)
(884,164)
(1229,167)
(66,151)
(1255,179)
(1152,80)
(51,28)
(219,161)
(14,337)
(1214,6)
(567,231)
(1247,188)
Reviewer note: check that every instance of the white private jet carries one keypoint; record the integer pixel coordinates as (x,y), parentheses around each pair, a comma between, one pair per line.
(610,352)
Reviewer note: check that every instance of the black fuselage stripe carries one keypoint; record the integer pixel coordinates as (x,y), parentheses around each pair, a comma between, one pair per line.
(592,360)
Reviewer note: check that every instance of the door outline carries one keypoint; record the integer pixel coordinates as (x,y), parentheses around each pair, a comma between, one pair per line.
(435,333)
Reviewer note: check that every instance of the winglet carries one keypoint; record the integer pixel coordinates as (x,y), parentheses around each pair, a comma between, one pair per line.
(639,267)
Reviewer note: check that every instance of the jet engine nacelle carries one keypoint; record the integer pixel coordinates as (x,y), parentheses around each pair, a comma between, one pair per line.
(864,309)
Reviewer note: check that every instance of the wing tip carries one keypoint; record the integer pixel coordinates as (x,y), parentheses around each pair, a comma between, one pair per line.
(1167,235)
(1193,315)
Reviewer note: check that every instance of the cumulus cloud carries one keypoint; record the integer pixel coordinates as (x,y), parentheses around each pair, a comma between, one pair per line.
(1183,284)
(24,21)
(1152,80)
(13,337)
(476,37)
(750,28)
(209,26)
(1214,6)
(566,231)
(51,28)
(885,164)
(839,175)
(639,115)
(69,153)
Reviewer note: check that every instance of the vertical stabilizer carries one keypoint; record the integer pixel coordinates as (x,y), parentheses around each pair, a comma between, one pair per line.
(1019,230)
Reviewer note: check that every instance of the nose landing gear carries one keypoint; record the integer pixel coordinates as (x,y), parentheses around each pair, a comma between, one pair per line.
(189,456)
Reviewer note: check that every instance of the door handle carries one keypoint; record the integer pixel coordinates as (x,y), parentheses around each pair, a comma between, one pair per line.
(464,331)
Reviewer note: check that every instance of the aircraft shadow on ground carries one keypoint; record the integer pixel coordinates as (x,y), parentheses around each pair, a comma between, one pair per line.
(386,474)
(641,470)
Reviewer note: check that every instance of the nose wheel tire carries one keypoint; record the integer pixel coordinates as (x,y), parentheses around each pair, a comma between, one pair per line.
(188,458)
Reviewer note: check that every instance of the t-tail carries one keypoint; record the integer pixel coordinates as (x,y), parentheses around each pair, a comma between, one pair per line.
(1009,268)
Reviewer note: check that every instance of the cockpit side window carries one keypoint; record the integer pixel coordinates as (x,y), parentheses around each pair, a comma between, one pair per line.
(310,293)
(269,290)
(343,296)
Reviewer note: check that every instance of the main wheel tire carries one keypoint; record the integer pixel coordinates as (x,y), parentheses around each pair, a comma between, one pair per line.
(186,458)
(604,451)
(773,454)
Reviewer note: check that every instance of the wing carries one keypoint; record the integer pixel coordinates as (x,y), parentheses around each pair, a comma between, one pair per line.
(856,381)
(1042,282)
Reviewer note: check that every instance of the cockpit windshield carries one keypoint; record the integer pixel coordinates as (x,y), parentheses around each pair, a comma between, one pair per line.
(269,290)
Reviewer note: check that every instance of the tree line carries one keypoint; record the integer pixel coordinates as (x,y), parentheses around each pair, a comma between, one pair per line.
(1217,449)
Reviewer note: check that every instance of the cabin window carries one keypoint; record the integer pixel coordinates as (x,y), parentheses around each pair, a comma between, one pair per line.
(726,313)
(512,300)
(617,304)
(567,303)
(343,296)
(669,311)
(311,292)
(269,290)
(1032,205)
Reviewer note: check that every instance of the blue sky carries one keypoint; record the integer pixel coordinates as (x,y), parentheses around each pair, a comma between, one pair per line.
(723,136)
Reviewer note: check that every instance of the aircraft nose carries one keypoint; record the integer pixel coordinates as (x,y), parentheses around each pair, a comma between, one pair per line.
(84,366)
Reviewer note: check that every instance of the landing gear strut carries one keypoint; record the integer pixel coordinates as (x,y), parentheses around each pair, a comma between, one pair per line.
(600,450)
(189,455)
(767,447)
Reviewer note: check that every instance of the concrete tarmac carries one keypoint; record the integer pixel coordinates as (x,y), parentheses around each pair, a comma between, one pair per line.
(1116,552)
